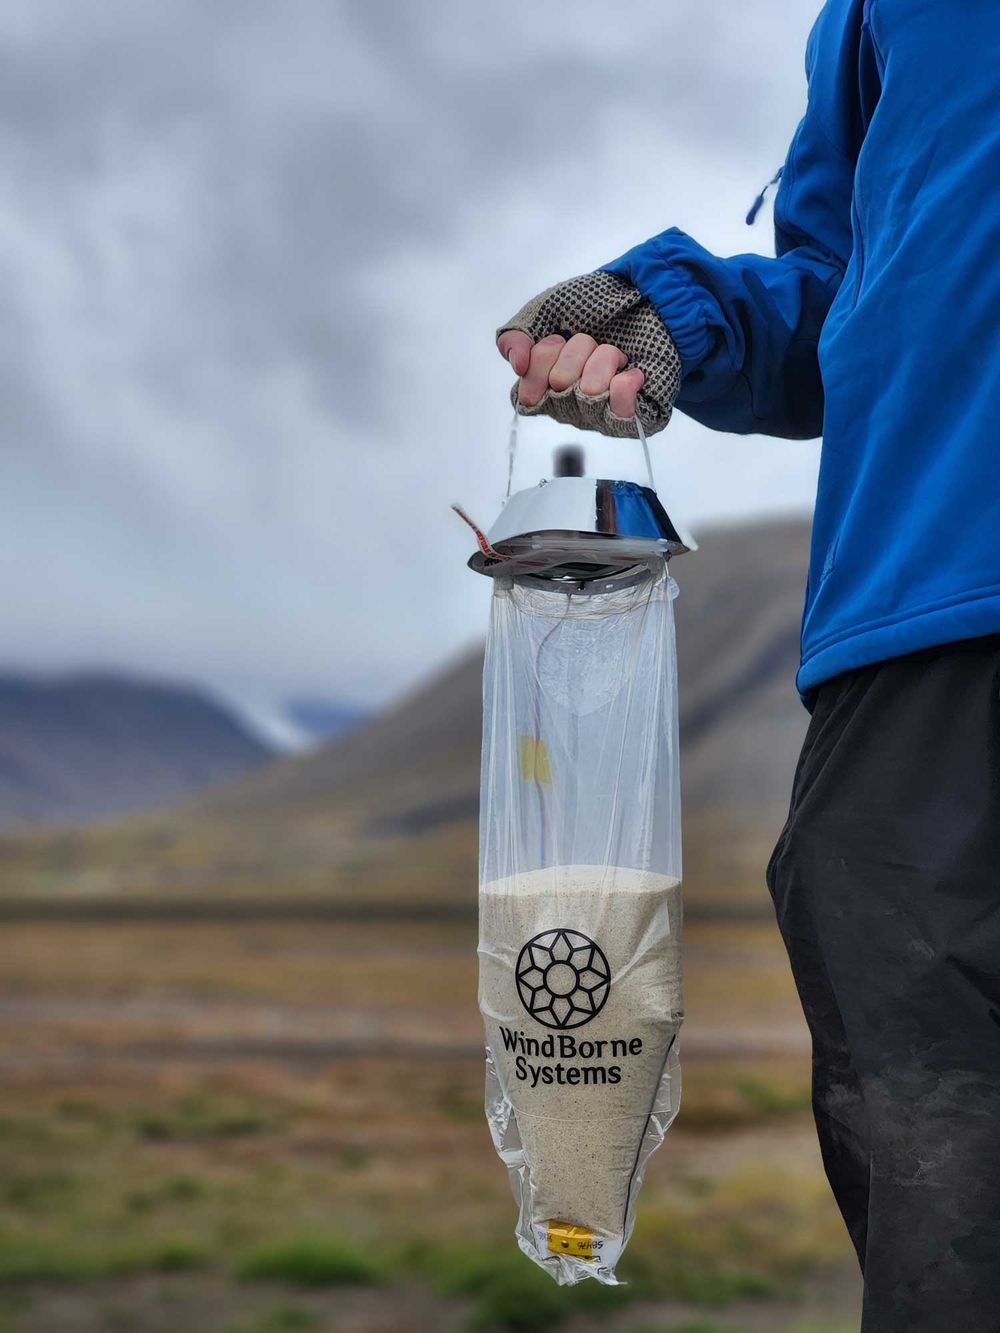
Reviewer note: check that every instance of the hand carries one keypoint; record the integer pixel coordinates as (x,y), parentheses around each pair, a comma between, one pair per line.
(593,353)
(556,363)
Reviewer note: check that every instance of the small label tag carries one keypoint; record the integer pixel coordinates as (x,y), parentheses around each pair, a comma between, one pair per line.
(534,760)
(563,1238)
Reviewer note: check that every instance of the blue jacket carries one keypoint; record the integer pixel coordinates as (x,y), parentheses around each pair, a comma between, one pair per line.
(876,325)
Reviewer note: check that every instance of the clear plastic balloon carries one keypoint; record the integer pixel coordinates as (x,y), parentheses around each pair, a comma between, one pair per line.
(580,909)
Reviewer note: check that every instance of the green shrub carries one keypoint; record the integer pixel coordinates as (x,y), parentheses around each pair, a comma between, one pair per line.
(520,1303)
(28,1262)
(191,1127)
(698,1327)
(309,1262)
(283,1319)
(354,1158)
(510,1292)
(31,1190)
(695,1278)
(35,1261)
(176,1256)
(768,1097)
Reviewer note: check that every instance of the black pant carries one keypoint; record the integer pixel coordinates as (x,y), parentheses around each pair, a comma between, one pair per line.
(886,883)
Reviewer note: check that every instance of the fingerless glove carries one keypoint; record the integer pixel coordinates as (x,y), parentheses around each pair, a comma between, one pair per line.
(612,311)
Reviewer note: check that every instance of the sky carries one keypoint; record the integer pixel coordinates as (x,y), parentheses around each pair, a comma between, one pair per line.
(252,256)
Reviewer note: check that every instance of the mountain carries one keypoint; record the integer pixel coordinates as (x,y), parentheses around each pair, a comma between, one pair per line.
(390,810)
(80,747)
(323,719)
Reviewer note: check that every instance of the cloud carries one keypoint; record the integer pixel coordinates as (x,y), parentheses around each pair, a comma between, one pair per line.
(252,255)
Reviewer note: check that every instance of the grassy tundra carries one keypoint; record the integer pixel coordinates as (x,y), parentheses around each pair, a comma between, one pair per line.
(252,1126)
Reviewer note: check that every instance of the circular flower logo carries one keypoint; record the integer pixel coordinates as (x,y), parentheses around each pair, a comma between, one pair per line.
(563,978)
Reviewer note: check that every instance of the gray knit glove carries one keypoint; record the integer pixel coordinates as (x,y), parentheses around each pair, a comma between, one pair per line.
(611,310)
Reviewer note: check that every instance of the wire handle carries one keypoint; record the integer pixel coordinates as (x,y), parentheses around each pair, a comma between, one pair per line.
(645,452)
(511,453)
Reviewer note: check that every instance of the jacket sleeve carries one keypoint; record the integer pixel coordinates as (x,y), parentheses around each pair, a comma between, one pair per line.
(747,327)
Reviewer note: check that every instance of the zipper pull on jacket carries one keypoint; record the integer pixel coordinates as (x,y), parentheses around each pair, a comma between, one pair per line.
(758,203)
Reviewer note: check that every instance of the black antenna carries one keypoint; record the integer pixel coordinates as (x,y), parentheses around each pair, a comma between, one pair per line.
(568,461)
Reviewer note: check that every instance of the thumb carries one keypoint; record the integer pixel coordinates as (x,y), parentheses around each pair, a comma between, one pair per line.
(515,346)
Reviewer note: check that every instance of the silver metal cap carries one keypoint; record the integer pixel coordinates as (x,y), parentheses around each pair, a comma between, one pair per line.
(579,529)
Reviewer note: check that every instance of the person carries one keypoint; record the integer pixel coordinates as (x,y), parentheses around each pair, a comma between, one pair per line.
(875,325)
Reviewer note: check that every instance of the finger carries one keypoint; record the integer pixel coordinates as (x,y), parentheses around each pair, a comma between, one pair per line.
(624,392)
(601,367)
(535,380)
(571,361)
(516,347)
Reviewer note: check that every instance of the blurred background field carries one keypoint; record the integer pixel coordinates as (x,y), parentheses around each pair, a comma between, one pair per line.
(253,256)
